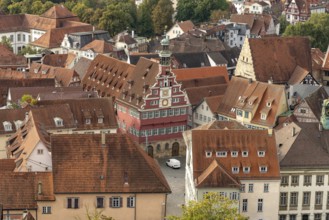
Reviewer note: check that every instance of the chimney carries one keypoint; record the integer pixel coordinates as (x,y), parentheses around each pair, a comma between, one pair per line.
(293,131)
(133,34)
(270,80)
(270,131)
(92,35)
(103,139)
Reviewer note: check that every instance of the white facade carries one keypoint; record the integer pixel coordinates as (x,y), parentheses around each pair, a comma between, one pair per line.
(202,115)
(174,32)
(257,8)
(239,6)
(304,194)
(39,160)
(259,198)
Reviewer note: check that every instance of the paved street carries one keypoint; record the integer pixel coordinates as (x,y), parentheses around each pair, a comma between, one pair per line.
(176,180)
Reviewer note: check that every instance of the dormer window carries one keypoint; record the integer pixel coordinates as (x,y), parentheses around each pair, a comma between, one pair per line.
(58,122)
(261,153)
(234,153)
(88,121)
(221,154)
(244,153)
(18,124)
(100,120)
(208,153)
(7,126)
(235,169)
(263,116)
(263,169)
(269,102)
(246,169)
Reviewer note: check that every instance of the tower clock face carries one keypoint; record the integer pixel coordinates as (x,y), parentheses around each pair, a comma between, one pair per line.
(165,92)
(165,102)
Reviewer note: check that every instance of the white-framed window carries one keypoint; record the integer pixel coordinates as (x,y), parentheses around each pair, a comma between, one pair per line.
(246,169)
(131,201)
(58,122)
(244,153)
(261,153)
(221,153)
(251,187)
(243,188)
(266,187)
(234,196)
(46,209)
(72,203)
(88,121)
(235,169)
(7,126)
(100,202)
(175,100)
(40,151)
(263,169)
(208,153)
(263,116)
(154,102)
(116,202)
(100,120)
(154,92)
(260,205)
(18,124)
(234,153)
(244,205)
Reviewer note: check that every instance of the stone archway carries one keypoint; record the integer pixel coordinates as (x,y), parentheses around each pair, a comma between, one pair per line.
(150,150)
(175,149)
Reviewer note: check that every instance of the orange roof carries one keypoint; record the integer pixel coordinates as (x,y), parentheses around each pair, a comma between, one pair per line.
(186,25)
(58,12)
(98,46)
(198,73)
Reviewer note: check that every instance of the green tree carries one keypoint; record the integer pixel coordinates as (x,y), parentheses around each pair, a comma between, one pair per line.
(6,42)
(316,29)
(117,17)
(283,23)
(4,5)
(15,8)
(144,18)
(185,9)
(212,207)
(162,16)
(28,50)
(28,99)
(216,15)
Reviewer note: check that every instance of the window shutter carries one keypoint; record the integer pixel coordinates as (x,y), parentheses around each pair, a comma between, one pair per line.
(128,202)
(120,201)
(110,202)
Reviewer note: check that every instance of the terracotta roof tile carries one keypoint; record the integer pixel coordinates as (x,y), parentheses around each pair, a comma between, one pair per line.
(186,25)
(98,46)
(235,140)
(118,166)
(58,12)
(107,75)
(213,102)
(197,94)
(59,60)
(277,57)
(81,67)
(7,165)
(197,73)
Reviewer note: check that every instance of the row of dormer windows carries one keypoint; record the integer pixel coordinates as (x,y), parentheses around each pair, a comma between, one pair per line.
(244,153)
(246,169)
(8,125)
(60,123)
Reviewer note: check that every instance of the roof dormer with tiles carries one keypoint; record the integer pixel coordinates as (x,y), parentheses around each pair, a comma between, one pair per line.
(242,164)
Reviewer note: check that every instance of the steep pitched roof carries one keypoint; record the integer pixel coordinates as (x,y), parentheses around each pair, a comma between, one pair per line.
(98,46)
(19,190)
(140,81)
(213,102)
(214,140)
(197,94)
(10,60)
(186,25)
(277,57)
(191,60)
(12,116)
(91,108)
(58,12)
(118,166)
(81,67)
(241,92)
(325,65)
(107,75)
(59,60)
(315,100)
(198,73)
(309,150)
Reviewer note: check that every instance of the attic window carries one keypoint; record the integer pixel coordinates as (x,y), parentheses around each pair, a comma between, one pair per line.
(263,169)
(88,121)
(221,154)
(44,71)
(234,153)
(261,153)
(269,102)
(7,126)
(18,124)
(208,153)
(246,169)
(58,122)
(35,70)
(235,169)
(263,116)
(244,153)
(100,120)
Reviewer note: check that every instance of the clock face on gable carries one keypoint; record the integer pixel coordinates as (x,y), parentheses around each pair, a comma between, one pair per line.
(165,92)
(165,102)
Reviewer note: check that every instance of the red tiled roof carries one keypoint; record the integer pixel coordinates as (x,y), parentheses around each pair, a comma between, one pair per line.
(204,72)
(98,46)
(58,12)
(186,25)
(118,166)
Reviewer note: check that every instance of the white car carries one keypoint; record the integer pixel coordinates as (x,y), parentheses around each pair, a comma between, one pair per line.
(173,163)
